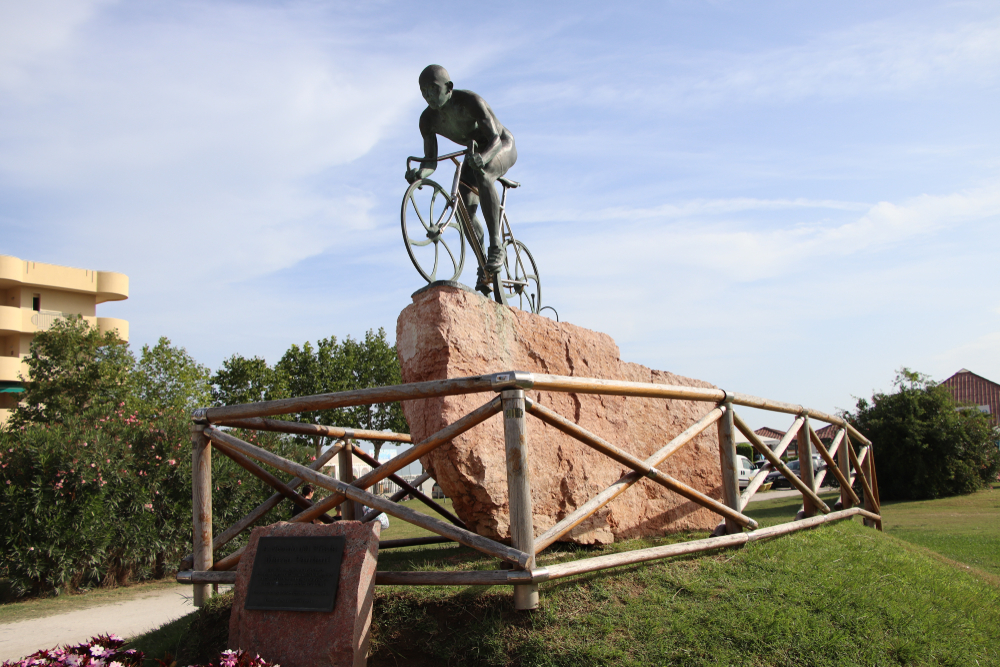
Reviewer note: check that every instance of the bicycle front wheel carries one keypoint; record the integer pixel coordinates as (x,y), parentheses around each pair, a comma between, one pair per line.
(519,283)
(433,238)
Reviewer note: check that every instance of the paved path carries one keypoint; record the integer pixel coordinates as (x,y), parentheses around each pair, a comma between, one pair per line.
(784,493)
(126,618)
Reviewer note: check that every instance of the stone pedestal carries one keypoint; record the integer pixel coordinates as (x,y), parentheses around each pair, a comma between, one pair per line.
(448,332)
(308,638)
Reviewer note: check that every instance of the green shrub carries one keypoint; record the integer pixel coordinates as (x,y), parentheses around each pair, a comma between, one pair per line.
(926,445)
(745,449)
(100,500)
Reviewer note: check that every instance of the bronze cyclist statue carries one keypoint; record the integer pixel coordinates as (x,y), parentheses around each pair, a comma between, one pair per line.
(466,119)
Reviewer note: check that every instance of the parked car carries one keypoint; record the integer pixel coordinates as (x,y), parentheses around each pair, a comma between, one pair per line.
(778,481)
(745,470)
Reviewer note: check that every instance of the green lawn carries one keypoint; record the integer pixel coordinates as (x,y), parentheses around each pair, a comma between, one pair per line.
(399,529)
(841,594)
(963,528)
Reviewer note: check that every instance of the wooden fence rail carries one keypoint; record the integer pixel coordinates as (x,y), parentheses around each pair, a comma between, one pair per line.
(202,571)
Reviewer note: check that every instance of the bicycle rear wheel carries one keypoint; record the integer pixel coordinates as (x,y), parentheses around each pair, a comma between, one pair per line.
(520,284)
(433,238)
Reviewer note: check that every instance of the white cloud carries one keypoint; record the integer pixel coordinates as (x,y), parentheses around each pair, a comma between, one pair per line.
(30,32)
(691,235)
(902,55)
(150,131)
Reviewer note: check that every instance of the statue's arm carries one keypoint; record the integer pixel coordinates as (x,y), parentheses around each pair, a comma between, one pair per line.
(429,163)
(489,133)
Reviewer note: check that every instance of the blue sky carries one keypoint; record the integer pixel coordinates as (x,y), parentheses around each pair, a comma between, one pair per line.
(782,198)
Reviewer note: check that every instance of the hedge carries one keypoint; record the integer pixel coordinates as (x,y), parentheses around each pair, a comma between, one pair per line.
(104,500)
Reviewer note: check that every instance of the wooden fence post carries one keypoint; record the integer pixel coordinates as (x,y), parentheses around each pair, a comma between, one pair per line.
(870,503)
(727,462)
(806,472)
(522,530)
(201,505)
(345,465)
(844,462)
(874,483)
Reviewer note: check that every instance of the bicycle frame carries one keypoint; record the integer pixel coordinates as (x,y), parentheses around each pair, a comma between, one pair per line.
(458,205)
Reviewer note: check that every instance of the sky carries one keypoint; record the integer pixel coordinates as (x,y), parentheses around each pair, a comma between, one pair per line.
(791,200)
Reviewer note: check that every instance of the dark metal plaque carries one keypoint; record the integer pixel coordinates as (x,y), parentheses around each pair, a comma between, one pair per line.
(296,573)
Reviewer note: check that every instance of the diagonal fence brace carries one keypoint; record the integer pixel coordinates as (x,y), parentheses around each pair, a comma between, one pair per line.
(356,494)
(626,459)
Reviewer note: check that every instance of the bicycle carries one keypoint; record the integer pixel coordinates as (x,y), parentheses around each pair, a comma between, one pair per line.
(517,282)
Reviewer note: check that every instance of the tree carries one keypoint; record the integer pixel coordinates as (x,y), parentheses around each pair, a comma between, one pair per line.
(73,369)
(330,366)
(373,363)
(242,380)
(926,445)
(167,377)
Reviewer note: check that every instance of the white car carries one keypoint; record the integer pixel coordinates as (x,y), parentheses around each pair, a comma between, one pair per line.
(744,470)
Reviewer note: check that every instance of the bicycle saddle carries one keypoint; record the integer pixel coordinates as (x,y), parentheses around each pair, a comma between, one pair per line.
(507,183)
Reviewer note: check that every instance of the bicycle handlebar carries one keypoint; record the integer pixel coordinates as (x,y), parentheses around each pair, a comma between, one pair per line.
(440,158)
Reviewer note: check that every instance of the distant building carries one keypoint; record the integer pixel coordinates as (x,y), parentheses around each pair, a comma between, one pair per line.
(33,295)
(967,387)
(767,433)
(772,436)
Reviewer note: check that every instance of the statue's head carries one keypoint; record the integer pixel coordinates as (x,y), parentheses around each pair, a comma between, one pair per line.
(436,86)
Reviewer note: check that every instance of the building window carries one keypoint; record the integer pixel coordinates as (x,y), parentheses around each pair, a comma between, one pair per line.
(36,302)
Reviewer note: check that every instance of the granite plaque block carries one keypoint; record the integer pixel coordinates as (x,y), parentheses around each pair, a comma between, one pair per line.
(296,573)
(315,638)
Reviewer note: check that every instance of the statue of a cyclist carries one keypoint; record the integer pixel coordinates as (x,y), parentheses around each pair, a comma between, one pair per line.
(466,118)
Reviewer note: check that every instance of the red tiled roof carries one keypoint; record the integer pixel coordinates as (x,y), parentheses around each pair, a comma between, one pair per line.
(768,432)
(828,432)
(967,387)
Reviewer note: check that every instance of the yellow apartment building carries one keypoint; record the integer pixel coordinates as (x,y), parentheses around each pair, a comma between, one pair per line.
(33,295)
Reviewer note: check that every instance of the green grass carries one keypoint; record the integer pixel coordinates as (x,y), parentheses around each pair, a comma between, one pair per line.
(840,594)
(197,637)
(962,528)
(399,529)
(965,529)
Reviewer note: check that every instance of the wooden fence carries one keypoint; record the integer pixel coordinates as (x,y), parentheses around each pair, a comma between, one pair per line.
(201,570)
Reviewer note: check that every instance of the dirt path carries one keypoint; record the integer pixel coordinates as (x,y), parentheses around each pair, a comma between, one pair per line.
(125,618)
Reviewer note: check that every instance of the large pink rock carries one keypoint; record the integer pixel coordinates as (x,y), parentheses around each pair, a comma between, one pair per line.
(448,332)
(312,638)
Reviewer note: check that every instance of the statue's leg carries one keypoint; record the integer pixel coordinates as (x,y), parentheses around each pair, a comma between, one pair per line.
(490,200)
(471,201)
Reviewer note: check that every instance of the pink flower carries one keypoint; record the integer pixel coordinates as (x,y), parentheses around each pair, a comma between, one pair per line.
(172,462)
(148,506)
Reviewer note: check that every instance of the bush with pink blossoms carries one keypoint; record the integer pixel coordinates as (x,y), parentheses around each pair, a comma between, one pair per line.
(110,651)
(239,659)
(105,499)
(100,651)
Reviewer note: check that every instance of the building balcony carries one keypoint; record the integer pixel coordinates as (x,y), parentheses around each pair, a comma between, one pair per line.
(11,368)
(105,324)
(10,320)
(23,320)
(105,285)
(111,286)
